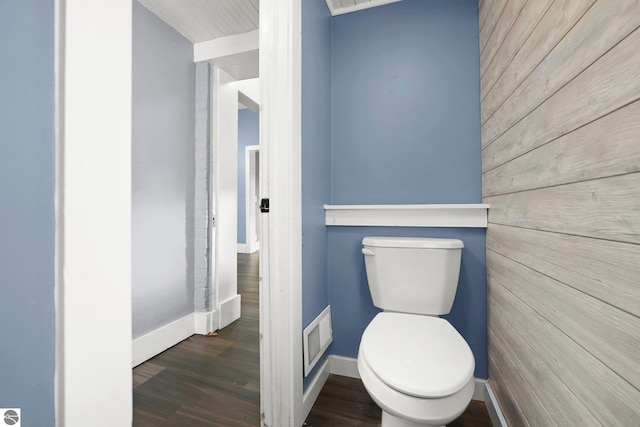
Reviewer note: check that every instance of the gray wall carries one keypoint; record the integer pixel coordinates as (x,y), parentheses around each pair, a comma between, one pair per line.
(163,173)
(248,134)
(561,170)
(27,234)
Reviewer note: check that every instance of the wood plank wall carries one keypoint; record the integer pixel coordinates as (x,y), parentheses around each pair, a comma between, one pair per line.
(560,91)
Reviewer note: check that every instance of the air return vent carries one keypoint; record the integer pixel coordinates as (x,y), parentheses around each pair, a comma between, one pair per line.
(317,337)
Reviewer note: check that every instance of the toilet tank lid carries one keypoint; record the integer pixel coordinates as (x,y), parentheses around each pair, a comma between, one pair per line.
(412,242)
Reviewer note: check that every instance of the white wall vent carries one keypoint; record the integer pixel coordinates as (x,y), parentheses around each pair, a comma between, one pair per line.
(316,338)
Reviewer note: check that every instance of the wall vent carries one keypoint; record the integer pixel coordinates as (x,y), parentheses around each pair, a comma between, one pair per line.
(316,338)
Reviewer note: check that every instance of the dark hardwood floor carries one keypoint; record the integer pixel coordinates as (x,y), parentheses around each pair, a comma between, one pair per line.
(215,381)
(206,381)
(345,402)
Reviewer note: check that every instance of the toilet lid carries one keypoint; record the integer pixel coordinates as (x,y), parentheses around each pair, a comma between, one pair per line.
(420,356)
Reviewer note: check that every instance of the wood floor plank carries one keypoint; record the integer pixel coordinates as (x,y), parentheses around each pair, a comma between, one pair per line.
(345,402)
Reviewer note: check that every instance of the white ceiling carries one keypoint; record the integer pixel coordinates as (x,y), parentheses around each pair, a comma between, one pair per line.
(203,20)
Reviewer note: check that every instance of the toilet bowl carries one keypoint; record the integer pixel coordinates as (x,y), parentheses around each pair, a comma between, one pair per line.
(413,363)
(417,368)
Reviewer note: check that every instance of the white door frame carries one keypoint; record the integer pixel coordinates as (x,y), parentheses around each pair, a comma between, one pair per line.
(251,154)
(281,235)
(93,213)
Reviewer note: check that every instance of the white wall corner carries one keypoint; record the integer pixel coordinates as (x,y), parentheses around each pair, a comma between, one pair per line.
(315,387)
(205,322)
(229,311)
(157,341)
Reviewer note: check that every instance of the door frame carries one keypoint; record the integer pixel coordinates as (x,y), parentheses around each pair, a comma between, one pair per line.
(281,231)
(251,156)
(93,213)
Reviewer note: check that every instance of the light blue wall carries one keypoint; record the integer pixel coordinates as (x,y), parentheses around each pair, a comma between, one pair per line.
(163,173)
(316,156)
(406,129)
(27,215)
(406,106)
(248,134)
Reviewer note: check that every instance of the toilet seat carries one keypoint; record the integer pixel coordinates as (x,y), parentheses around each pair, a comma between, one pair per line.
(420,356)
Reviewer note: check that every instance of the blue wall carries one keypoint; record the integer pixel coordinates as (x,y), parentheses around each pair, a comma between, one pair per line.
(27,215)
(316,157)
(406,129)
(248,134)
(406,104)
(316,154)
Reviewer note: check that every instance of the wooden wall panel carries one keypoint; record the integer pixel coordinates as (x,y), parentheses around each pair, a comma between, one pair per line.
(602,148)
(560,95)
(606,270)
(555,24)
(611,399)
(527,20)
(607,208)
(504,24)
(489,16)
(573,312)
(535,375)
(575,52)
(610,83)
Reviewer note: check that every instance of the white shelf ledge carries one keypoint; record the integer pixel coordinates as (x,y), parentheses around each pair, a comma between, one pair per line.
(462,215)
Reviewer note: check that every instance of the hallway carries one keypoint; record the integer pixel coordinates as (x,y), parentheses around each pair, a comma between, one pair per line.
(207,381)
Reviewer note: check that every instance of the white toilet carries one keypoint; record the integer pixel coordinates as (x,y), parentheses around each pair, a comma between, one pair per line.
(414,364)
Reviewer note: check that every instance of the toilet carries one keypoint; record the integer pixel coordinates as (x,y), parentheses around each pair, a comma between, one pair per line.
(414,364)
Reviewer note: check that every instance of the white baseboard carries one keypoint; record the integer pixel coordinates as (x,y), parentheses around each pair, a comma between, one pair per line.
(242,248)
(206,322)
(345,366)
(497,419)
(229,311)
(155,342)
(313,390)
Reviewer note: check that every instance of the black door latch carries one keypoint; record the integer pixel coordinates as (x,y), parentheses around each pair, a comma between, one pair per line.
(264,205)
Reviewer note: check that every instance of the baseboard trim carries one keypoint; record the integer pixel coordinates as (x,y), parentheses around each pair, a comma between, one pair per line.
(313,390)
(345,366)
(229,311)
(497,418)
(155,342)
(206,322)
(243,248)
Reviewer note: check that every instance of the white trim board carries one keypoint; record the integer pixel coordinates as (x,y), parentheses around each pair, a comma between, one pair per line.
(356,7)
(449,215)
(155,342)
(315,387)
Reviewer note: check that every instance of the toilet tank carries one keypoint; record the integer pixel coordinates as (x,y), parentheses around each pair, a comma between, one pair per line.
(412,274)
